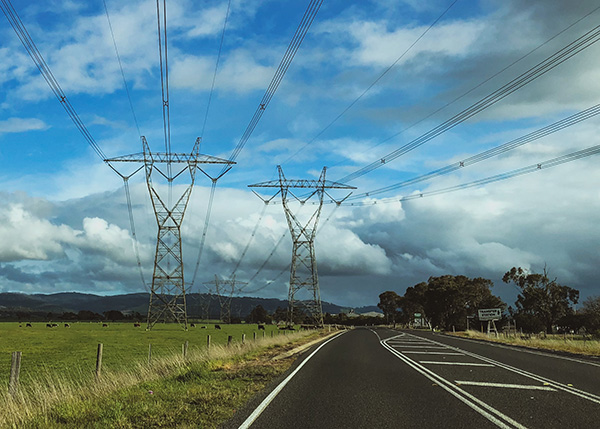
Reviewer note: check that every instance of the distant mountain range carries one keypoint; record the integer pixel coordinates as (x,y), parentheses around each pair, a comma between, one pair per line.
(199,305)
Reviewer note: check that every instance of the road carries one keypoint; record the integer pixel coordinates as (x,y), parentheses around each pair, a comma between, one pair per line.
(383,378)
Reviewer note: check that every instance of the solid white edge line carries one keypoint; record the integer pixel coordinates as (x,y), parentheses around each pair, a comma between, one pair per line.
(258,411)
(466,398)
(504,385)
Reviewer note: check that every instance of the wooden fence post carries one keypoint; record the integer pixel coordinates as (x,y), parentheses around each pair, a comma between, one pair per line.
(229,340)
(264,334)
(15,369)
(99,361)
(149,353)
(208,341)
(272,334)
(243,338)
(184,349)
(254,336)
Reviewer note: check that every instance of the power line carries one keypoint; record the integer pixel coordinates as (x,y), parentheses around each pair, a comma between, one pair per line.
(294,45)
(491,179)
(573,48)
(390,67)
(480,84)
(498,150)
(25,38)
(212,87)
(121,68)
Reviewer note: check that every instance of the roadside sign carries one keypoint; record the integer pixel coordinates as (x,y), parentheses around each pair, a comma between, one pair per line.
(417,315)
(489,314)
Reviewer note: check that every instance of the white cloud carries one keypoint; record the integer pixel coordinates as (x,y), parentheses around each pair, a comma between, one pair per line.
(21,125)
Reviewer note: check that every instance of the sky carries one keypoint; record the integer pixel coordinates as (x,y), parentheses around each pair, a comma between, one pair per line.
(369,77)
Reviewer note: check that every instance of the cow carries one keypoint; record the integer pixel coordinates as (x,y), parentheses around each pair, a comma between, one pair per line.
(105,325)
(55,325)
(261,327)
(192,325)
(48,325)
(202,327)
(67,325)
(28,325)
(137,325)
(217,326)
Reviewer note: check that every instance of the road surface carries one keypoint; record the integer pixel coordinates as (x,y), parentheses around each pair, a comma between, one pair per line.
(367,378)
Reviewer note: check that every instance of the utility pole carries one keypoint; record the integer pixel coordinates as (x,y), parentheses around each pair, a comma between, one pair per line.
(167,294)
(224,289)
(303,274)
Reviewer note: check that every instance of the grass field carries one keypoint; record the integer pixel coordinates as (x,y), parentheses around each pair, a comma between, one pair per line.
(73,350)
(202,390)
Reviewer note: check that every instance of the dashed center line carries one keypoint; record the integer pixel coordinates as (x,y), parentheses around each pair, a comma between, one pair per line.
(509,386)
(432,353)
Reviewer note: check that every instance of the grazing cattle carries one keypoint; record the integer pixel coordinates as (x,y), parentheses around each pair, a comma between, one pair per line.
(28,325)
(48,325)
(217,326)
(105,325)
(192,325)
(261,327)
(55,325)
(67,325)
(202,327)
(137,325)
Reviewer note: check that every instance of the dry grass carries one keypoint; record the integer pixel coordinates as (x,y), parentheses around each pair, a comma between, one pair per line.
(568,343)
(39,395)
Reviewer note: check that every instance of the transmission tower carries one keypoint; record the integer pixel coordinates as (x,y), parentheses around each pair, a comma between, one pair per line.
(224,289)
(167,294)
(303,274)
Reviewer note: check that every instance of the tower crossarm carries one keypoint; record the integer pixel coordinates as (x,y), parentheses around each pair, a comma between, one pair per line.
(301,183)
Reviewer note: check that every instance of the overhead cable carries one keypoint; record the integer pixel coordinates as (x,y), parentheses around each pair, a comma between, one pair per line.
(357,99)
(212,87)
(38,59)
(294,45)
(112,33)
(491,179)
(498,150)
(567,52)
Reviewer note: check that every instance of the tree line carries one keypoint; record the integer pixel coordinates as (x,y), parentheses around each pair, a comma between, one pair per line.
(452,302)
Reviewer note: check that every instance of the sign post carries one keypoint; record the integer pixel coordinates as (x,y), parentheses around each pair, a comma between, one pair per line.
(490,315)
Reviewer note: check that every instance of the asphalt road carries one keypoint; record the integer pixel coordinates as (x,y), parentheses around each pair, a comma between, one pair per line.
(388,379)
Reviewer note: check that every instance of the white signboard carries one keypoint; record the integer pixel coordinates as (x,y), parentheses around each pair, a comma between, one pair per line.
(490,314)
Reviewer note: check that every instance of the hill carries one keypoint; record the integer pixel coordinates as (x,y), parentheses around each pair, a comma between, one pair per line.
(199,305)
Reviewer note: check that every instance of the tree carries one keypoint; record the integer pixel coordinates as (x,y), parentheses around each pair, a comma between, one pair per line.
(591,314)
(389,303)
(542,302)
(113,315)
(258,315)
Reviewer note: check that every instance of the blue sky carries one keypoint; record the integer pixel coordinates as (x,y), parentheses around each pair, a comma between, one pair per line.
(64,223)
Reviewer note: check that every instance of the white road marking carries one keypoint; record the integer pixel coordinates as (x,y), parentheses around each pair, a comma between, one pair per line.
(433,362)
(257,412)
(432,353)
(508,386)
(557,385)
(476,404)
(524,350)
(421,347)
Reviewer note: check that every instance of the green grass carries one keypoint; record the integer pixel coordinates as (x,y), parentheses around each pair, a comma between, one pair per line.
(73,350)
(202,390)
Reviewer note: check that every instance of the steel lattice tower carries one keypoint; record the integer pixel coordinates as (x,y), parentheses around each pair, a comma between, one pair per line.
(224,289)
(303,273)
(167,294)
